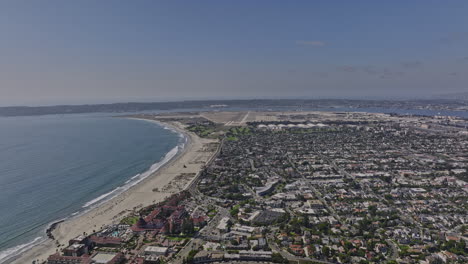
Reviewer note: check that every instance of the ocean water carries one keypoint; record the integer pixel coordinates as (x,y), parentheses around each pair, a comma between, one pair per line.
(53,167)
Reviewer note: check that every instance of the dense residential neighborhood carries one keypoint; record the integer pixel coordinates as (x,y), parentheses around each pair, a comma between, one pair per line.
(305,188)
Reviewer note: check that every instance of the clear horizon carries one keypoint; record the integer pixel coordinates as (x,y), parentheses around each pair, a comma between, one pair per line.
(89,52)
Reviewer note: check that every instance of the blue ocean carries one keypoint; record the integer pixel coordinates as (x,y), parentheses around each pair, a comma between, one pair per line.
(53,167)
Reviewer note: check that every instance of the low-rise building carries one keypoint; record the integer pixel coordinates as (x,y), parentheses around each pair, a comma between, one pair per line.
(107,258)
(223,224)
(156,251)
(59,259)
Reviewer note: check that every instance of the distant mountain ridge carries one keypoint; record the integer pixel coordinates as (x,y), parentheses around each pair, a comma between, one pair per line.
(453,96)
(261,104)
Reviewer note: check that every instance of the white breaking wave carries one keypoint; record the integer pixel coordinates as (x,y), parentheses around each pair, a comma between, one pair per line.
(17,250)
(169,128)
(139,177)
(134,180)
(100,198)
(14,251)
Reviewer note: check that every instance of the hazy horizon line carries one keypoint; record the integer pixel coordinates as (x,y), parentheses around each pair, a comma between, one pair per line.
(214,99)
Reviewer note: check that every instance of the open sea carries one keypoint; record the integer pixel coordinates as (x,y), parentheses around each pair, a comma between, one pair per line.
(54,167)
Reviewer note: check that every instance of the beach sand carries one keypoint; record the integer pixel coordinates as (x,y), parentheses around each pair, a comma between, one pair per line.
(194,156)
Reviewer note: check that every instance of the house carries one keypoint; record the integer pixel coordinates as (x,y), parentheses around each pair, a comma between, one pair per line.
(315,204)
(296,249)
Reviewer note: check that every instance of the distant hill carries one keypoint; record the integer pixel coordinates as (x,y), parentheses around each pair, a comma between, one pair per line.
(260,104)
(453,96)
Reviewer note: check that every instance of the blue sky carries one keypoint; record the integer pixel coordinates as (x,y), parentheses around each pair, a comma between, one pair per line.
(114,51)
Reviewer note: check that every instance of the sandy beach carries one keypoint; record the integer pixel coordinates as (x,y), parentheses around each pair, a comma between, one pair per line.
(164,182)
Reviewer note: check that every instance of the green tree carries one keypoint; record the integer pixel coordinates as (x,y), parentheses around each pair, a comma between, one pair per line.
(372,209)
(278,258)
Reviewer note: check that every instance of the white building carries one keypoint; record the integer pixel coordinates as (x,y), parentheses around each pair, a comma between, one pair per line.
(156,251)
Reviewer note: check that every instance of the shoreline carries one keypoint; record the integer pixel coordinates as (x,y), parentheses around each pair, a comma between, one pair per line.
(47,232)
(112,210)
(90,205)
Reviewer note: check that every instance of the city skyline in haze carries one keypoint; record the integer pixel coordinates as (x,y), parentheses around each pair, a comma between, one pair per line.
(58,52)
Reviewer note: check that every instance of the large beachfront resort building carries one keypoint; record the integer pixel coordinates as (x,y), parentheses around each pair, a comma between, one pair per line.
(96,258)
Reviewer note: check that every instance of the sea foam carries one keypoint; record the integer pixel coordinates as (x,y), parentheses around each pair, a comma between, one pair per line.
(12,252)
(134,180)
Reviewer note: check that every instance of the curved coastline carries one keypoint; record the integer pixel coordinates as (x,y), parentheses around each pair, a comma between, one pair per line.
(30,251)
